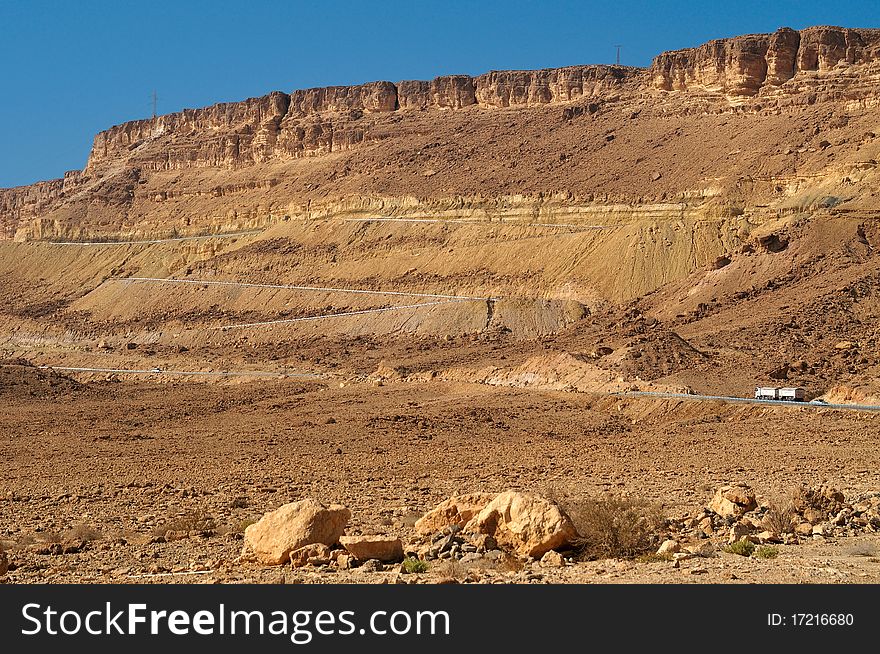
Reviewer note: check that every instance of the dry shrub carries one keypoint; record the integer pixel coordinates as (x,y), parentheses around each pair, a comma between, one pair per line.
(50,537)
(191,521)
(84,532)
(780,518)
(450,569)
(614,527)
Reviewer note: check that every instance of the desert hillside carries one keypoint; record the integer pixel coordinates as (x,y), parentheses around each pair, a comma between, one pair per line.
(417,289)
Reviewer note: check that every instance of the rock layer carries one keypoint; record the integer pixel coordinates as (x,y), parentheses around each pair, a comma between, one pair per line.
(744,65)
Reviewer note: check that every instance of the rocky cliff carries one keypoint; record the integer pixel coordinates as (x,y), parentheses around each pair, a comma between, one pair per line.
(492,135)
(321,120)
(746,65)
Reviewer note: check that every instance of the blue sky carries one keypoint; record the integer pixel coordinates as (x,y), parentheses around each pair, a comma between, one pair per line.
(72,68)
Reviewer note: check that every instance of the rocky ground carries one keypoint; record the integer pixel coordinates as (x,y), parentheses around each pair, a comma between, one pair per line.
(122,482)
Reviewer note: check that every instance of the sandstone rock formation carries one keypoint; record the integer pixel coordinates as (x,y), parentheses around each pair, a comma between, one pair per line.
(744,65)
(125,183)
(456,511)
(730,501)
(382,548)
(291,527)
(529,524)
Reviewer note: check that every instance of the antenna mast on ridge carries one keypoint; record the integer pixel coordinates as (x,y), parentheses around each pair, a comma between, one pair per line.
(155,99)
(618,53)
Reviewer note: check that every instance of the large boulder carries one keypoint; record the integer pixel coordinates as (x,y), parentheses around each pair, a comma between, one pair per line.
(364,548)
(456,511)
(733,501)
(529,524)
(292,526)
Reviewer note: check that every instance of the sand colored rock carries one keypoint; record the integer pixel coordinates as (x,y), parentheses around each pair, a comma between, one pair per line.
(529,524)
(383,548)
(456,511)
(292,526)
(730,501)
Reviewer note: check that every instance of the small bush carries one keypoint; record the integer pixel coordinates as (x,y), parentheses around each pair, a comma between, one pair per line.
(412,565)
(191,521)
(780,518)
(450,569)
(742,547)
(766,552)
(84,532)
(615,527)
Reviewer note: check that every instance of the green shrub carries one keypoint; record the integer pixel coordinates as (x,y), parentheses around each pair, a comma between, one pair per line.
(743,547)
(412,565)
(766,552)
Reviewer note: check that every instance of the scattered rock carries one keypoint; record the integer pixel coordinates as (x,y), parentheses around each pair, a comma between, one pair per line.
(530,524)
(373,565)
(669,547)
(314,554)
(382,548)
(739,530)
(292,526)
(4,563)
(705,548)
(804,529)
(733,501)
(655,176)
(768,536)
(552,559)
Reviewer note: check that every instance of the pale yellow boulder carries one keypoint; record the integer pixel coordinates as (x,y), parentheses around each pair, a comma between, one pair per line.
(292,526)
(457,510)
(529,524)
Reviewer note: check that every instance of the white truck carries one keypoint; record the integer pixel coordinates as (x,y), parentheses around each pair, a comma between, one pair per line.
(781,394)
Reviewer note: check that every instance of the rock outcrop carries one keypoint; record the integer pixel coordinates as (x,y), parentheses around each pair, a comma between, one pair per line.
(291,527)
(317,121)
(745,65)
(114,194)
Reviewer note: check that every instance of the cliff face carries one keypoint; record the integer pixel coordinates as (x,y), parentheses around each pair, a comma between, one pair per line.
(321,120)
(470,129)
(746,65)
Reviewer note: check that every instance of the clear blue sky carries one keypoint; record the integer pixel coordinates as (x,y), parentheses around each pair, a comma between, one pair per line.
(73,67)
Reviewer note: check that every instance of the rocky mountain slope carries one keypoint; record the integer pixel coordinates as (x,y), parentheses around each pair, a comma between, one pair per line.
(710,220)
(725,119)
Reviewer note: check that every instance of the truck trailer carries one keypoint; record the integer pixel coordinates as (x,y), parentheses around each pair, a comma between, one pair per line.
(782,394)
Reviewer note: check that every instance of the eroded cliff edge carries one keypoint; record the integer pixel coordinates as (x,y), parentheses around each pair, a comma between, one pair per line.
(491,122)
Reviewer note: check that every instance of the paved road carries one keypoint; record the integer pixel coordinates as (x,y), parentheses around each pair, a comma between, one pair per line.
(466,221)
(228,373)
(323,289)
(750,400)
(325,316)
(158,240)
